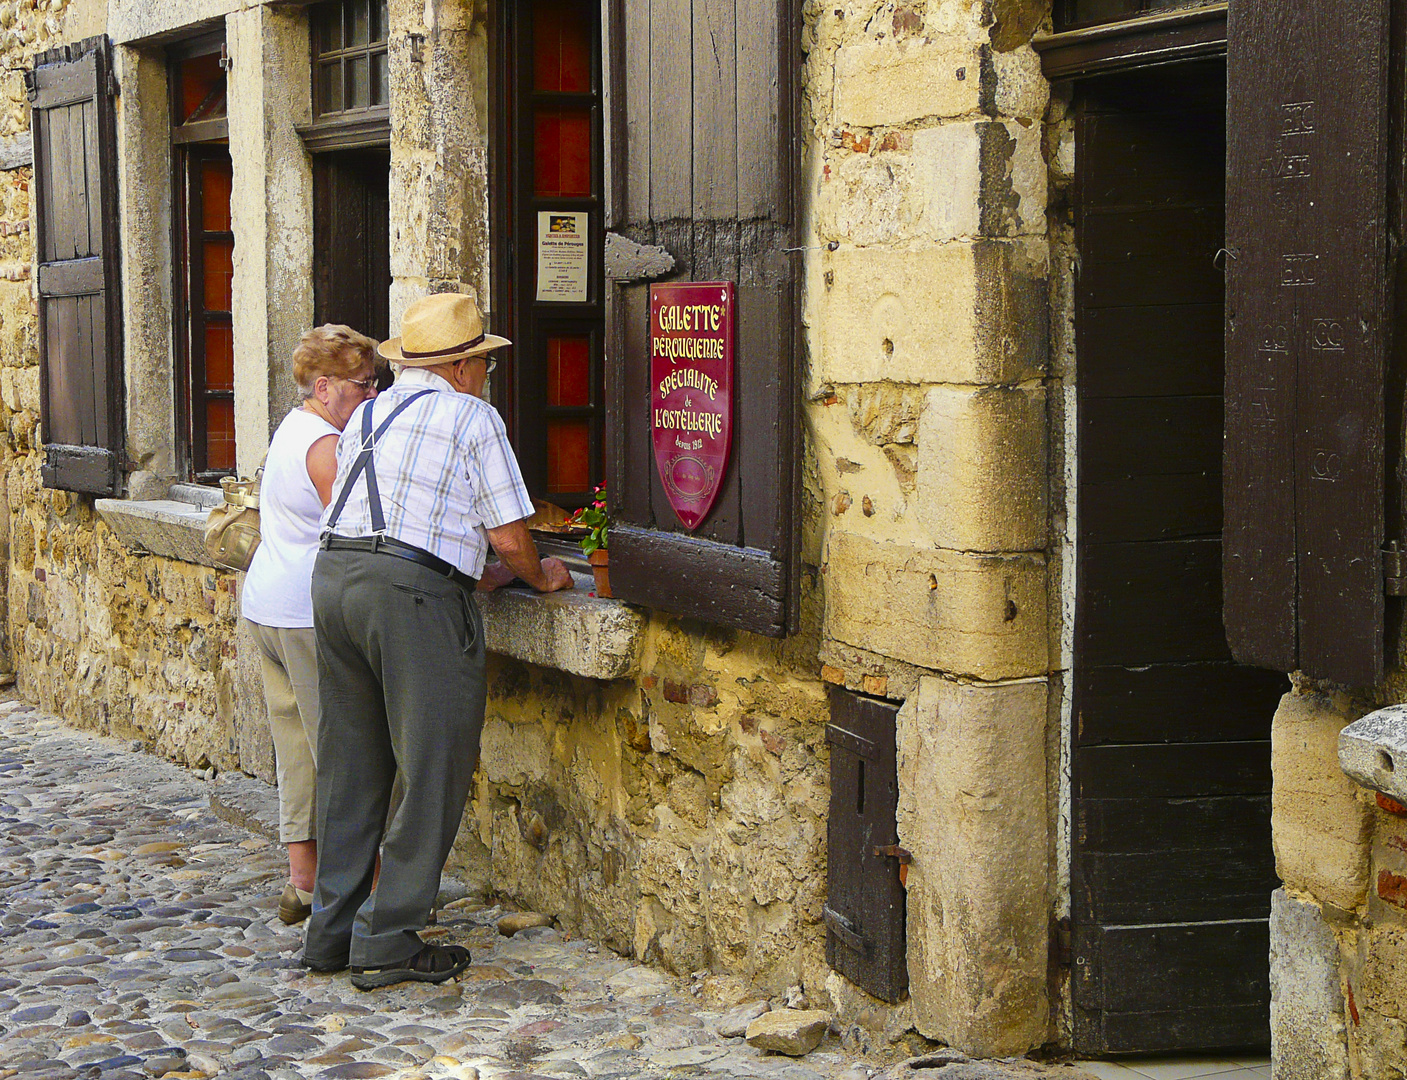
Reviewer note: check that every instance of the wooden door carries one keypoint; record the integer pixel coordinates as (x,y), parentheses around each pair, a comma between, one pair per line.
(352,240)
(1172,866)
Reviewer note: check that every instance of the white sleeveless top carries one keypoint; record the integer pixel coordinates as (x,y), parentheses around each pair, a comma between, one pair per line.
(278,590)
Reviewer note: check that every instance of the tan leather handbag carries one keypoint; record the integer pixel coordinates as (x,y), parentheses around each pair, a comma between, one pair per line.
(232,529)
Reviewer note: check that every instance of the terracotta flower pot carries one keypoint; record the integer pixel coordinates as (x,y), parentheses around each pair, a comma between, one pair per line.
(600,560)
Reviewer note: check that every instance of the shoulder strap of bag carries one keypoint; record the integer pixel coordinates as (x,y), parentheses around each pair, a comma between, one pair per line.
(363,462)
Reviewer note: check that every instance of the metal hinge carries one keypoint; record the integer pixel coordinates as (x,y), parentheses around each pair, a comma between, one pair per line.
(112,88)
(31,85)
(844,929)
(1394,570)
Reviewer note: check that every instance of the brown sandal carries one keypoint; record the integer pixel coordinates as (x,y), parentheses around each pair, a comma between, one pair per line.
(432,964)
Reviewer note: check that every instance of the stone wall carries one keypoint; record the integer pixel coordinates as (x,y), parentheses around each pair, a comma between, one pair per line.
(1339,924)
(123,643)
(679,816)
(928,395)
(679,813)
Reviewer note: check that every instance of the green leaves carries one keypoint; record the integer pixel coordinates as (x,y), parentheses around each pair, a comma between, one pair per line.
(594,518)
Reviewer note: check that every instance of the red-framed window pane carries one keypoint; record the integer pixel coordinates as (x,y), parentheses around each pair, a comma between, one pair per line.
(215,184)
(562,153)
(202,89)
(568,455)
(562,31)
(219,434)
(219,356)
(219,275)
(569,371)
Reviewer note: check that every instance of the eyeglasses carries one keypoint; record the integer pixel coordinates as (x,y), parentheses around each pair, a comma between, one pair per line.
(368,384)
(489,365)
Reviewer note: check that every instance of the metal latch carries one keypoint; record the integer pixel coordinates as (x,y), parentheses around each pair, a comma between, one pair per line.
(844,929)
(894,851)
(1394,570)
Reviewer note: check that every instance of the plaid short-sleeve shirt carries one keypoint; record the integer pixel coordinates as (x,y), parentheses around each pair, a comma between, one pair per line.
(444,467)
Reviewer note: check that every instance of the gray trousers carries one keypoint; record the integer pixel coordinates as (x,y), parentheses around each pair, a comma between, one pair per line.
(401,685)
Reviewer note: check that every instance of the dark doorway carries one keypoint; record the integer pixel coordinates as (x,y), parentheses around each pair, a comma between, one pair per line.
(1172,867)
(352,240)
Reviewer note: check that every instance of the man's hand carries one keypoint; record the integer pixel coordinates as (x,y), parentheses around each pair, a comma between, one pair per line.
(557,575)
(495,576)
(518,554)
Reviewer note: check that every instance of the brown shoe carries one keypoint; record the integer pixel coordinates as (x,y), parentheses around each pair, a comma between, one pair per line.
(432,964)
(291,908)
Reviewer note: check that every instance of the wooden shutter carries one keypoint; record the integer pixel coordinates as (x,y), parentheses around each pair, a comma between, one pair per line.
(71,91)
(1306,327)
(703,114)
(865,899)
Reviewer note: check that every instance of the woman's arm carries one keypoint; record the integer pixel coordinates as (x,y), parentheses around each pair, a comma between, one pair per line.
(322,466)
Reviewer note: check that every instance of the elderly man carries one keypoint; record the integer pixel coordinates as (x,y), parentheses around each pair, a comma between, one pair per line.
(426,483)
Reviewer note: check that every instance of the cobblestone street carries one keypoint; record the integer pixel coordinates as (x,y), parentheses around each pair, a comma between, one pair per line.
(139,939)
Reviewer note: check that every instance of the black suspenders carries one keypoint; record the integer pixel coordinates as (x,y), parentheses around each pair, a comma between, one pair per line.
(364,462)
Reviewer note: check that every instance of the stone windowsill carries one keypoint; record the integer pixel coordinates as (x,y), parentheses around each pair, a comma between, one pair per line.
(170,527)
(574,631)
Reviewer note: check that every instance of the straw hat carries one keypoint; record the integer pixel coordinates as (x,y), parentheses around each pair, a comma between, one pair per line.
(439,329)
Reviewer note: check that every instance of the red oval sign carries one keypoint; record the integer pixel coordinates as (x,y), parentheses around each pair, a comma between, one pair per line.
(691,391)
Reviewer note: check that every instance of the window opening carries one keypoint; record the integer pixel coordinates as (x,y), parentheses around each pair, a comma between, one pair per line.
(204,257)
(549,179)
(351,58)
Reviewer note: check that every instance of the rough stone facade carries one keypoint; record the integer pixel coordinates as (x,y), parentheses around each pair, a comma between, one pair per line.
(1339,927)
(928,404)
(120,642)
(668,794)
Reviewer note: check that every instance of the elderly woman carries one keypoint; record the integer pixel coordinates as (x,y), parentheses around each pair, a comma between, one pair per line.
(336,369)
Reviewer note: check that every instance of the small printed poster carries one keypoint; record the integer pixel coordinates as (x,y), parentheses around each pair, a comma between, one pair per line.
(691,391)
(562,257)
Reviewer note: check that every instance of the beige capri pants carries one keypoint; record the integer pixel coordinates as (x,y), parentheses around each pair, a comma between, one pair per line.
(290,668)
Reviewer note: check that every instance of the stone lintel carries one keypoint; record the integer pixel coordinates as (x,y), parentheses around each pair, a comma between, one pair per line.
(868,672)
(1373,751)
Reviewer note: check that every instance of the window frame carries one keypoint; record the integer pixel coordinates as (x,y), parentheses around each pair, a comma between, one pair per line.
(349,128)
(1164,36)
(190,145)
(513,213)
(1064,17)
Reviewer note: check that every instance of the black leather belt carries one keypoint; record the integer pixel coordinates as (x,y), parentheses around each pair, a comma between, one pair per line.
(389,545)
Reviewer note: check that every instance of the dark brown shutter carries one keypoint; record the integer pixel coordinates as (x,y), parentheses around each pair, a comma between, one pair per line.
(704,109)
(71,91)
(1306,327)
(865,899)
